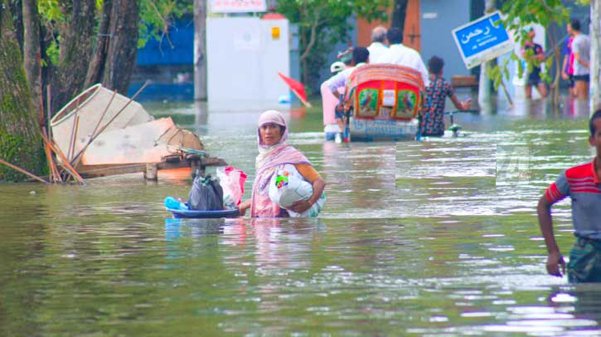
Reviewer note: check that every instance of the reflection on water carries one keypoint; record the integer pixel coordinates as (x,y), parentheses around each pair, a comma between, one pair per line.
(437,238)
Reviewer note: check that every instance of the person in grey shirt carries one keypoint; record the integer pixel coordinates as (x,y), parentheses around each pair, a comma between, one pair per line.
(581,48)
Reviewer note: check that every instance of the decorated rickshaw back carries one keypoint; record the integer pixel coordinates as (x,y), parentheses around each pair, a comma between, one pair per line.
(385,91)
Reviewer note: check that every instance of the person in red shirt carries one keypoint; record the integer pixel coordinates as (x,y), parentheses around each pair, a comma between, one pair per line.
(582,184)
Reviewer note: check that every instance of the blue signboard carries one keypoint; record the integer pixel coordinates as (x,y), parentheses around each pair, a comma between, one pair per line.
(482,40)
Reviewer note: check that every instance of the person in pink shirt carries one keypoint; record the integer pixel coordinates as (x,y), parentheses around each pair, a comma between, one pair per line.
(329,102)
(567,69)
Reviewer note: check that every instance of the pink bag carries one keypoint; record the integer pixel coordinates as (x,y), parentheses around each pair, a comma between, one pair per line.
(232,181)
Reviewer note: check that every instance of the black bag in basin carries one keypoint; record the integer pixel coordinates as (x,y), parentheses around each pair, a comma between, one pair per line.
(206,194)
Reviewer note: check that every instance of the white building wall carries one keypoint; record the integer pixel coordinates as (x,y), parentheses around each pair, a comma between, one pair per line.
(243,61)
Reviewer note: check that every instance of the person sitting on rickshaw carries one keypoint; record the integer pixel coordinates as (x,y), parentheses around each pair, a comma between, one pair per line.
(360,57)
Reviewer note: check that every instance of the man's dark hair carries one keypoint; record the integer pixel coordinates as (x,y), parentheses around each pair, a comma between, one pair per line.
(394,36)
(575,24)
(591,124)
(360,55)
(435,65)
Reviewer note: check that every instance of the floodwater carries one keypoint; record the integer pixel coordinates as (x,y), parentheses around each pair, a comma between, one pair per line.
(437,238)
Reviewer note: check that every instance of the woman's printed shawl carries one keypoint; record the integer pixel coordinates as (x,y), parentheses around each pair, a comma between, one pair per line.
(267,163)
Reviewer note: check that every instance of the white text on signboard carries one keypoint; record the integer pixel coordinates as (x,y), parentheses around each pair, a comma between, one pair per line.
(237,6)
(482,40)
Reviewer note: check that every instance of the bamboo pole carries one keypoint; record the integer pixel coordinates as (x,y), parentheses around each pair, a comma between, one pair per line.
(121,110)
(27,173)
(49,108)
(106,109)
(74,138)
(77,157)
(73,135)
(49,162)
(54,175)
(64,162)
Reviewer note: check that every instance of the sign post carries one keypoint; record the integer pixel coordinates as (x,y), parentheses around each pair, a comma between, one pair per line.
(237,6)
(482,40)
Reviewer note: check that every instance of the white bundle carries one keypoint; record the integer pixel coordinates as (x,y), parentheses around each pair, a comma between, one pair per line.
(288,186)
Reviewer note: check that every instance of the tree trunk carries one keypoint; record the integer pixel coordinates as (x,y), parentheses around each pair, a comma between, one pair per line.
(20,142)
(123,45)
(399,13)
(17,18)
(554,91)
(303,62)
(200,65)
(595,34)
(484,81)
(96,68)
(76,45)
(31,52)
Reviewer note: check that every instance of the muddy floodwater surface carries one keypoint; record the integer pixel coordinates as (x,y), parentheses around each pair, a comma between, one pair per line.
(431,238)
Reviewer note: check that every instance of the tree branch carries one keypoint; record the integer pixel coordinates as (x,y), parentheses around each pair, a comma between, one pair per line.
(313,36)
(548,8)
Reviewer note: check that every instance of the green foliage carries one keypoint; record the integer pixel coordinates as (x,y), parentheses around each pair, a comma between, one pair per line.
(50,12)
(519,15)
(323,23)
(156,17)
(51,16)
(10,147)
(19,143)
(52,51)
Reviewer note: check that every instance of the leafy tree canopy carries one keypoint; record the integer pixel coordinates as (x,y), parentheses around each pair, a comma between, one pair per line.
(519,15)
(156,19)
(323,23)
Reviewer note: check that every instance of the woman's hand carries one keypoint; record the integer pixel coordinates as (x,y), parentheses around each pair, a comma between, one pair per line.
(303,205)
(300,206)
(243,207)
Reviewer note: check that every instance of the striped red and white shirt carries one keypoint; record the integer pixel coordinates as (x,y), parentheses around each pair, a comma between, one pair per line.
(582,185)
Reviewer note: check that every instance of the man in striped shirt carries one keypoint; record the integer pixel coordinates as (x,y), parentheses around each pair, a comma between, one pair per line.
(583,185)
